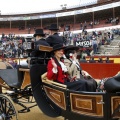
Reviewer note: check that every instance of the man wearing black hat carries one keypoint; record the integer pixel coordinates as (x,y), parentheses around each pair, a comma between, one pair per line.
(39,40)
(54,38)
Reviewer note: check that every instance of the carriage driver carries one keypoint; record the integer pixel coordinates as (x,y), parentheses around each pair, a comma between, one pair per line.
(54,38)
(57,71)
(39,40)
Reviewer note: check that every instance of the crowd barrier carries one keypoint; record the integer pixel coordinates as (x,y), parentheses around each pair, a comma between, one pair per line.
(97,70)
(101,70)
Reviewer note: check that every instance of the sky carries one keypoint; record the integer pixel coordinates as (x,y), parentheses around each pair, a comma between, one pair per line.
(22,6)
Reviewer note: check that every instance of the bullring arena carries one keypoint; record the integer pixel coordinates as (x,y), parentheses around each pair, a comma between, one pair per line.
(27,94)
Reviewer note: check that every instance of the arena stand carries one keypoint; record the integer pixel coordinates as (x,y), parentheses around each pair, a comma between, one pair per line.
(21,28)
(73,20)
(26,27)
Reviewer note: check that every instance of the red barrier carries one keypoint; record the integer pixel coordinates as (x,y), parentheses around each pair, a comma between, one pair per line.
(101,70)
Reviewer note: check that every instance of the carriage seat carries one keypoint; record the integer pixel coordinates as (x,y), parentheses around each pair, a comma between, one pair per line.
(51,82)
(12,77)
(2,65)
(5,65)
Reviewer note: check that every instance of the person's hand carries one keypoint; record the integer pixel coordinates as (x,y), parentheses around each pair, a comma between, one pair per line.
(54,64)
(85,74)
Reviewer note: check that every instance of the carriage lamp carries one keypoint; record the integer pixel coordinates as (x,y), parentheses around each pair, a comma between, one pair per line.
(28,45)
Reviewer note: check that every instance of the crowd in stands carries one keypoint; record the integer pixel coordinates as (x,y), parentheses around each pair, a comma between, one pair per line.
(84,25)
(113,21)
(11,45)
(92,60)
(96,38)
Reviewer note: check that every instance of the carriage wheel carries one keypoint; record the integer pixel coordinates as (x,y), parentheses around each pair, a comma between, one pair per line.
(7,108)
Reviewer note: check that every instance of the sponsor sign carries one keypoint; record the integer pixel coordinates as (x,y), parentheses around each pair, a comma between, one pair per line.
(87,10)
(78,12)
(83,43)
(108,6)
(65,14)
(48,16)
(1,19)
(26,18)
(14,18)
(74,12)
(35,17)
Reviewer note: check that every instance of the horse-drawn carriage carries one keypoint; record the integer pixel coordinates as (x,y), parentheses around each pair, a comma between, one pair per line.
(15,88)
(54,99)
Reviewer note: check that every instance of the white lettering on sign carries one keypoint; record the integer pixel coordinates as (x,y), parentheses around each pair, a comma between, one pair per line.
(83,43)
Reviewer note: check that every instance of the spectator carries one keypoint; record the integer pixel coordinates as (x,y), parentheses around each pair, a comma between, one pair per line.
(20,50)
(81,26)
(95,45)
(100,60)
(92,60)
(85,25)
(14,52)
(83,60)
(107,60)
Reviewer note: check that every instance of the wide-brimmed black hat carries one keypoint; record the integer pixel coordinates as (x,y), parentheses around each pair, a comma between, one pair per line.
(39,32)
(53,27)
(71,47)
(58,47)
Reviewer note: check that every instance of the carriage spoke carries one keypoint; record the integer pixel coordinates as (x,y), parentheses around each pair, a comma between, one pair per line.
(7,108)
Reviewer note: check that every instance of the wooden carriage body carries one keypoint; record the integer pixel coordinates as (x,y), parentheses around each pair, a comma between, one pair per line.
(55,99)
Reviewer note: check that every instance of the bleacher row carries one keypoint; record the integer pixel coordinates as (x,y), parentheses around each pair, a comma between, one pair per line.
(73,27)
(112,49)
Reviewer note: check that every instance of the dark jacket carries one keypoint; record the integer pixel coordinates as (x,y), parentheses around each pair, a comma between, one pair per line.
(14,52)
(92,61)
(41,42)
(83,61)
(36,52)
(54,39)
(107,61)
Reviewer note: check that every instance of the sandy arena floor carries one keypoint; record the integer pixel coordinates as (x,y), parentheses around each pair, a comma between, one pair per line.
(35,114)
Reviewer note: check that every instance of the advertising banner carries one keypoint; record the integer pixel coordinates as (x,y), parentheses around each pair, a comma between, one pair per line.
(108,6)
(1,19)
(65,14)
(74,12)
(78,12)
(83,44)
(48,16)
(87,10)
